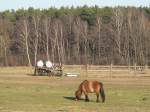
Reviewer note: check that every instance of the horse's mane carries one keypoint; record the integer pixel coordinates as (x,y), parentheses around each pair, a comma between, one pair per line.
(83,82)
(80,86)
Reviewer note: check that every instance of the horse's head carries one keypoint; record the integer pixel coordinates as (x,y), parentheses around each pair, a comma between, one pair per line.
(78,94)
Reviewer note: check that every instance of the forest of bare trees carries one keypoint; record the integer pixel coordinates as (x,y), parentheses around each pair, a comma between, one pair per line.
(82,35)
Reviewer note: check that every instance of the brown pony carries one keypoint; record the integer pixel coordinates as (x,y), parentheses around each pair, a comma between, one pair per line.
(90,87)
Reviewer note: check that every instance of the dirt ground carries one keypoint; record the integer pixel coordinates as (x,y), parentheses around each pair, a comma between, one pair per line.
(29,79)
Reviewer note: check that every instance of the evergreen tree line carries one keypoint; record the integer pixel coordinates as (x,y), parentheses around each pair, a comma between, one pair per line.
(82,35)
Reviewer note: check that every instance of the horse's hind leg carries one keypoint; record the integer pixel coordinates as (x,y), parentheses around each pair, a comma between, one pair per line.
(97,95)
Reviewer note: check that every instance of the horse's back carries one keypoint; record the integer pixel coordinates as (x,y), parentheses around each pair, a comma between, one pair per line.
(90,86)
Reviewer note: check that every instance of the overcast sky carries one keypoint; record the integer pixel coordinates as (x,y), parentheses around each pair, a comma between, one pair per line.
(16,4)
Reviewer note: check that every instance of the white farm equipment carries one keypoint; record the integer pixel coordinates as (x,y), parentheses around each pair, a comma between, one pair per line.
(47,69)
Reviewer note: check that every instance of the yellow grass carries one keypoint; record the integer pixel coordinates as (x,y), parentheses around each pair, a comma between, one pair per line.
(21,92)
(14,70)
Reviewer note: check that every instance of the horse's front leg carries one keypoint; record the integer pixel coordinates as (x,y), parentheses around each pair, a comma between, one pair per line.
(86,97)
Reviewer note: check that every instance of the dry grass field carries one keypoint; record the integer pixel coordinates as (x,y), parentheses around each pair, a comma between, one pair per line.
(22,92)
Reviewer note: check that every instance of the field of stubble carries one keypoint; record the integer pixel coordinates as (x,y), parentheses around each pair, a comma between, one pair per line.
(22,92)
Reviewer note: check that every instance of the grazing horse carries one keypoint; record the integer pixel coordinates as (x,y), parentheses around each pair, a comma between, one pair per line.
(90,87)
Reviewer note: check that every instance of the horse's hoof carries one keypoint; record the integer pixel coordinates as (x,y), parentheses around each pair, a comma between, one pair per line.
(87,100)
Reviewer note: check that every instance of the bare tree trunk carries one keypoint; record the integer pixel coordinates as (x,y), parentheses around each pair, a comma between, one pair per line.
(99,37)
(26,35)
(129,32)
(77,38)
(36,21)
(84,33)
(56,42)
(5,40)
(53,49)
(6,59)
(4,50)
(35,53)
(1,46)
(47,28)
(118,22)
(62,45)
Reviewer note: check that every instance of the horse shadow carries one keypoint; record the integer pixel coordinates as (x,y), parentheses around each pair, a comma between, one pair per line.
(74,99)
(71,98)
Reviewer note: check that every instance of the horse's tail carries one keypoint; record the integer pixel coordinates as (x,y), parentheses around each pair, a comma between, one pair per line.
(102,93)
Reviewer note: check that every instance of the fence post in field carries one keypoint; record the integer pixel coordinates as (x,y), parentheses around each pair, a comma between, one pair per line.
(80,69)
(135,68)
(62,69)
(146,68)
(86,70)
(111,65)
(129,69)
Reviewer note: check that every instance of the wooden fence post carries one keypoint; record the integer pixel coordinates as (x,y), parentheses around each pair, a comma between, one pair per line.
(86,70)
(111,65)
(62,70)
(135,68)
(145,68)
(80,70)
(129,69)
